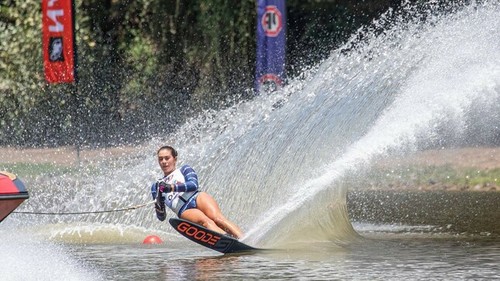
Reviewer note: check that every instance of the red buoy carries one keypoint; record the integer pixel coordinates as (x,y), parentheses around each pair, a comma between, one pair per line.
(152,239)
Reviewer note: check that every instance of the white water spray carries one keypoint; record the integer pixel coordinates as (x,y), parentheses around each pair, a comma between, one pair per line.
(396,89)
(459,69)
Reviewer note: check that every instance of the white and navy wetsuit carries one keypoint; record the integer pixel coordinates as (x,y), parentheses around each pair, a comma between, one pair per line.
(185,191)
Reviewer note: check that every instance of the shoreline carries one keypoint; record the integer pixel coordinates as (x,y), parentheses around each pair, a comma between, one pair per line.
(482,159)
(64,155)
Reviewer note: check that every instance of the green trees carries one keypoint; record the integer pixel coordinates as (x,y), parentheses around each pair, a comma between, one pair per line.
(144,65)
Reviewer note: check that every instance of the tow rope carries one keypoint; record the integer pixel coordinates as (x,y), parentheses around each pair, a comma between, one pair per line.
(85,213)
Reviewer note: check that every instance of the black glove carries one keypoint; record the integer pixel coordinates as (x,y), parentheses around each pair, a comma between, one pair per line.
(164,187)
(160,207)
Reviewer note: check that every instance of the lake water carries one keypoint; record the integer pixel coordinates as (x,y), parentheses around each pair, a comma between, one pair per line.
(386,250)
(386,258)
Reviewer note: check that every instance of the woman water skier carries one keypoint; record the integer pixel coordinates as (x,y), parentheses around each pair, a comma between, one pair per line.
(178,189)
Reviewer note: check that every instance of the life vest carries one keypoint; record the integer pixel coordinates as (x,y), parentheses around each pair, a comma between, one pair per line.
(175,200)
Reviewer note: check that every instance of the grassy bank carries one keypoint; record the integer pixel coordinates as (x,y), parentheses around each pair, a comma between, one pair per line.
(474,169)
(445,177)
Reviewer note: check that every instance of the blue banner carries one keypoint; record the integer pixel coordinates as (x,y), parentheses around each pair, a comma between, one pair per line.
(271,40)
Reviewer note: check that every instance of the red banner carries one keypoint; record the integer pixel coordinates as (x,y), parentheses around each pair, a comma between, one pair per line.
(58,41)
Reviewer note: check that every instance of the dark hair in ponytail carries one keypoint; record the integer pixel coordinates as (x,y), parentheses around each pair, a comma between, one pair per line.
(172,150)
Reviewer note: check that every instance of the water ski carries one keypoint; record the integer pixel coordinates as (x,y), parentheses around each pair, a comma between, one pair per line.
(208,238)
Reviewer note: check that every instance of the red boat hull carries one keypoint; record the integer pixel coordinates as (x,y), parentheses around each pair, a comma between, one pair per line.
(12,194)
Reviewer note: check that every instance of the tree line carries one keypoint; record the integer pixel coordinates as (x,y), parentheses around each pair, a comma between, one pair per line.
(145,66)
